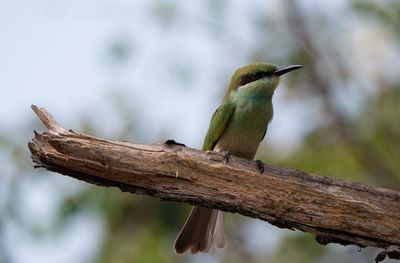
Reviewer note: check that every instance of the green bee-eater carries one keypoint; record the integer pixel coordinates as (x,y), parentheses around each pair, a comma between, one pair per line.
(237,126)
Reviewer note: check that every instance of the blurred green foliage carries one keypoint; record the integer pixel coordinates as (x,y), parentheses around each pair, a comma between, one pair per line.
(361,147)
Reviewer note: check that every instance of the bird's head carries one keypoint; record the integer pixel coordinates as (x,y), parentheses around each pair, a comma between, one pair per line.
(258,75)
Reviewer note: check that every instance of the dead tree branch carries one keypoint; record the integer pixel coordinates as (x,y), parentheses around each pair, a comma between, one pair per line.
(334,210)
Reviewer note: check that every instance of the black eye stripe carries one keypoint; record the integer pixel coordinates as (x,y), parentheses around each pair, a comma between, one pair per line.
(253,77)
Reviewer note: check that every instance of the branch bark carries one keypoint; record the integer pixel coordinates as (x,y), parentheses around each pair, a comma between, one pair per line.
(334,210)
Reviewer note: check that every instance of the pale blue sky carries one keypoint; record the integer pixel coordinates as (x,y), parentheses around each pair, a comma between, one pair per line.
(54,54)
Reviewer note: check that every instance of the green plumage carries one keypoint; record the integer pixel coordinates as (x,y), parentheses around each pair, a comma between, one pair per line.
(240,122)
(219,122)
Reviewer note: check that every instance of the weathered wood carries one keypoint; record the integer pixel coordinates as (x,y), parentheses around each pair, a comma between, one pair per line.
(334,210)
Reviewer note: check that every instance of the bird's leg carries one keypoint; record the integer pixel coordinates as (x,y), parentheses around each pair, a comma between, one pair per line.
(260,166)
(225,156)
(173,142)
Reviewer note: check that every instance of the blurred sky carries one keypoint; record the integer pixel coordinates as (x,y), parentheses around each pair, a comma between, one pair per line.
(71,57)
(56,54)
(59,55)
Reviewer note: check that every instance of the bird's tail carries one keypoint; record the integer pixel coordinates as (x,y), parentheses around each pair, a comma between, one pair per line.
(203,229)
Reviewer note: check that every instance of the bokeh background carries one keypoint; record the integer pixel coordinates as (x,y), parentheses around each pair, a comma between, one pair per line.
(147,71)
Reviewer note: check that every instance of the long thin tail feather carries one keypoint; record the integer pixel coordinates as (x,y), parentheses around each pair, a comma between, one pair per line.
(203,228)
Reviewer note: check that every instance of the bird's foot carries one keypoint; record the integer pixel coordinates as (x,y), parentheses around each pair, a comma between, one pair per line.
(225,156)
(260,166)
(173,142)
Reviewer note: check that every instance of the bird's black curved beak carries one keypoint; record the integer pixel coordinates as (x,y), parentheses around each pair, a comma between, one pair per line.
(280,70)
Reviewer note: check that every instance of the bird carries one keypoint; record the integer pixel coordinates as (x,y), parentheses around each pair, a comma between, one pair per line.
(237,127)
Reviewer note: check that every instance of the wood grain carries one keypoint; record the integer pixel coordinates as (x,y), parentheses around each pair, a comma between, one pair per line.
(333,210)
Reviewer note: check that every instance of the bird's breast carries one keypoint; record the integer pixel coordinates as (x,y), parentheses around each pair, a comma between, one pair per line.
(246,127)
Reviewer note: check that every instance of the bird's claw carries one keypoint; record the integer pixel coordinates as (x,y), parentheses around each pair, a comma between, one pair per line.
(225,156)
(173,142)
(260,166)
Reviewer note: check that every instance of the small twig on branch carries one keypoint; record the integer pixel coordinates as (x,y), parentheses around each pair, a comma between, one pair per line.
(334,210)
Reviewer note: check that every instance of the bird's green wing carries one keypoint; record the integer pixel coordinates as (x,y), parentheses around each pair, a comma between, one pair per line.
(219,122)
